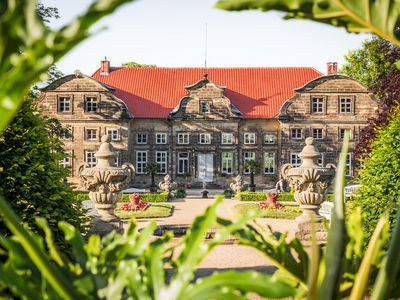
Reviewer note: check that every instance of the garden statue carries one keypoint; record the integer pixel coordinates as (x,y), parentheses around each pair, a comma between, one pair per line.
(204,192)
(104,181)
(310,183)
(238,185)
(282,185)
(167,184)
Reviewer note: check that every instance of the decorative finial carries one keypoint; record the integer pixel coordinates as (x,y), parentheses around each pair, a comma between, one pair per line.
(105,57)
(105,138)
(309,141)
(205,75)
(78,73)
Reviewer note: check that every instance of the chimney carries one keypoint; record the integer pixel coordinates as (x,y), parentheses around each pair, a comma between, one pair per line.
(105,67)
(331,68)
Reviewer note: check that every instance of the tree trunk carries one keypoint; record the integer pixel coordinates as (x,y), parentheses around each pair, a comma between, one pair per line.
(252,187)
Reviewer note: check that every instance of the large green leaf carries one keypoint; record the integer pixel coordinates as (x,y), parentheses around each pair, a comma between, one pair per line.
(380,17)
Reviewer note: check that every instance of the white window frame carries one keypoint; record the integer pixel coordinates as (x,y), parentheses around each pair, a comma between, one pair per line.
(205,138)
(247,156)
(143,140)
(296,137)
(113,133)
(249,138)
(319,105)
(321,160)
(295,160)
(89,136)
(91,101)
(226,138)
(269,162)
(161,158)
(341,137)
(116,162)
(185,163)
(141,163)
(66,103)
(227,162)
(317,133)
(63,136)
(90,159)
(269,139)
(183,138)
(161,138)
(349,167)
(205,106)
(343,105)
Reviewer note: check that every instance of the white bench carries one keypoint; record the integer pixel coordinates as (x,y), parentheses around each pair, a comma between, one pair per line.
(350,190)
(326,210)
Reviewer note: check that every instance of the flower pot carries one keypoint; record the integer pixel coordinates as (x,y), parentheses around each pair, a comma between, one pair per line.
(135,199)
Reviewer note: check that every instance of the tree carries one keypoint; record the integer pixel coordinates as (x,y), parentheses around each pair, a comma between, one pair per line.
(133,64)
(152,168)
(253,167)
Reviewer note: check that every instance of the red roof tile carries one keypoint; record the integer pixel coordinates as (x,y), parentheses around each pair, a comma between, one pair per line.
(256,92)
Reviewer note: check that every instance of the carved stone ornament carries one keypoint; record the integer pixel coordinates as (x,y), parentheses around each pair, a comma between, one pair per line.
(238,184)
(310,183)
(167,184)
(104,181)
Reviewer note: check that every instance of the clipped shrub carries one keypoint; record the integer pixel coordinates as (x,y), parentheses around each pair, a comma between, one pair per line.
(288,196)
(379,175)
(149,197)
(180,193)
(251,196)
(228,193)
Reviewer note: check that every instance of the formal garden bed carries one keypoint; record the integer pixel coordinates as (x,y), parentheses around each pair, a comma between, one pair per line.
(260,196)
(154,210)
(286,212)
(148,197)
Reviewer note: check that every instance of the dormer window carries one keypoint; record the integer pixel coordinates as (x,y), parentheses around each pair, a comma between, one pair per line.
(90,104)
(205,107)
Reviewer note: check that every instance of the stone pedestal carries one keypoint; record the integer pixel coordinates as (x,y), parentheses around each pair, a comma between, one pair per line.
(102,228)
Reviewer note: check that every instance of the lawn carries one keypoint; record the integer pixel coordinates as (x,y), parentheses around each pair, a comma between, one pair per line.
(287,212)
(155,210)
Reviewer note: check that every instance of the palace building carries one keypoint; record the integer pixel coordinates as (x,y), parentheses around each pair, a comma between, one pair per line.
(203,124)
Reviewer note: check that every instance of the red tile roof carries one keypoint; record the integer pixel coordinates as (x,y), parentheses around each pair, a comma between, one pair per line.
(256,92)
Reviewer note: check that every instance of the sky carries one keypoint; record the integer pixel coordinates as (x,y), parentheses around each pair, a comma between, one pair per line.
(172,33)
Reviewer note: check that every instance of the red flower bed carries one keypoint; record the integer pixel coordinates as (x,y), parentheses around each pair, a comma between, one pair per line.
(142,205)
(271,202)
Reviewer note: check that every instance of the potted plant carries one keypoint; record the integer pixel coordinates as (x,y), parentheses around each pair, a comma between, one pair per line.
(134,198)
(254,167)
(152,168)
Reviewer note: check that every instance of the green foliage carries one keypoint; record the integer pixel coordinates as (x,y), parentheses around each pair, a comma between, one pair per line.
(162,210)
(133,64)
(149,197)
(379,175)
(287,212)
(82,197)
(28,47)
(289,196)
(228,194)
(180,193)
(252,166)
(378,17)
(125,266)
(30,173)
(251,196)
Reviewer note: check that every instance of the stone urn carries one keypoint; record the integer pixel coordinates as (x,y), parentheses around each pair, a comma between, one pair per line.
(104,181)
(310,183)
(167,184)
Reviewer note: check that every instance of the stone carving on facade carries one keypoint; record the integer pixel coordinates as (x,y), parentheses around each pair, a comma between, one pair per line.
(104,181)
(238,185)
(310,183)
(167,184)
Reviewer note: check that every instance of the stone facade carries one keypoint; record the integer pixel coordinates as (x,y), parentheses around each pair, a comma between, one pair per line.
(206,137)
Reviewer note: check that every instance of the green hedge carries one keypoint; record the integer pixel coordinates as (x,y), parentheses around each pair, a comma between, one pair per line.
(148,197)
(82,197)
(251,196)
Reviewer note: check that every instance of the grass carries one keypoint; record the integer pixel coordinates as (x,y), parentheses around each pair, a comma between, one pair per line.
(155,210)
(287,212)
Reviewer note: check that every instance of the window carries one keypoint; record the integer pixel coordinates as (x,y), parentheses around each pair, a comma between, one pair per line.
(116,161)
(90,159)
(161,160)
(90,104)
(317,133)
(269,138)
(161,138)
(348,164)
(269,163)
(227,163)
(346,105)
(183,163)
(141,162)
(66,134)
(321,160)
(205,138)
(295,160)
(250,138)
(247,156)
(141,138)
(91,134)
(183,138)
(317,105)
(113,134)
(342,132)
(205,106)
(226,138)
(296,133)
(66,162)
(64,104)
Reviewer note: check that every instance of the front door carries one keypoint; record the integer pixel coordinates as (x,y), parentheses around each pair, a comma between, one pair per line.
(205,166)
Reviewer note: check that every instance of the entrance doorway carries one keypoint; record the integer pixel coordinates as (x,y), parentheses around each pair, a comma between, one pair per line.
(205,167)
